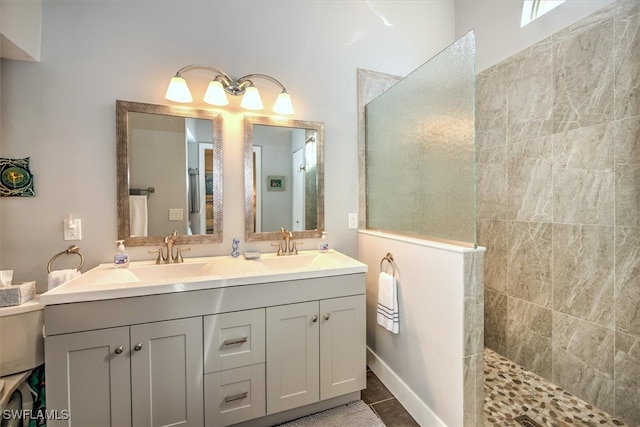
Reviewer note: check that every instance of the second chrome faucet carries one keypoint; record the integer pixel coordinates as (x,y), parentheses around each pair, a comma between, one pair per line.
(287,246)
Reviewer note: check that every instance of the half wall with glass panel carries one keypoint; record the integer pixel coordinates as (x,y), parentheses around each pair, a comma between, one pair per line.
(420,151)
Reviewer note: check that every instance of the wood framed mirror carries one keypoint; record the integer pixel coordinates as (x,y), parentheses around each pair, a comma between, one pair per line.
(284,178)
(169,173)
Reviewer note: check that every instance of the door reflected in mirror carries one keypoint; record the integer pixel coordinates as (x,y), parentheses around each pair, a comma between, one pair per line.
(169,173)
(284,173)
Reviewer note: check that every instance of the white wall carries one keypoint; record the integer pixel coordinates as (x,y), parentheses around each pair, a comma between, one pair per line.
(61,111)
(497,25)
(20,29)
(423,364)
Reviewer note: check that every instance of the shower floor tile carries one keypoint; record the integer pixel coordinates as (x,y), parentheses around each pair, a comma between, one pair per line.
(512,391)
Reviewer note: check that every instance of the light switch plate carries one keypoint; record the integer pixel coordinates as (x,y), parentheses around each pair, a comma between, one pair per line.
(175,214)
(353,220)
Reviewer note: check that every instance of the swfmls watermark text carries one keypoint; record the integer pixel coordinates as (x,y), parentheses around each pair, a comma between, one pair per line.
(26,414)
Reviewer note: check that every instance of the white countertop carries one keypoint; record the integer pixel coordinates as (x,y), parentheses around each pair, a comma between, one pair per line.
(146,278)
(31,305)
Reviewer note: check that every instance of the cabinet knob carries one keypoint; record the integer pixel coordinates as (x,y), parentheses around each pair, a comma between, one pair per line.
(314,318)
(138,347)
(327,316)
(119,349)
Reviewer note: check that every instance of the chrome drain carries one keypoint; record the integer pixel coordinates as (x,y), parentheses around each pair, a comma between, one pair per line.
(526,421)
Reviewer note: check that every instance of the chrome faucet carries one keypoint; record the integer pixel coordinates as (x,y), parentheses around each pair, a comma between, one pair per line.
(289,247)
(169,241)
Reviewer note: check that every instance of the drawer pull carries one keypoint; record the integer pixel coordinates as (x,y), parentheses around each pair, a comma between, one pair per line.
(119,349)
(138,347)
(314,319)
(233,341)
(238,396)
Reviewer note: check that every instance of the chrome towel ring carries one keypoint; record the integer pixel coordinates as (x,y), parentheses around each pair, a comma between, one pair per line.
(389,259)
(73,249)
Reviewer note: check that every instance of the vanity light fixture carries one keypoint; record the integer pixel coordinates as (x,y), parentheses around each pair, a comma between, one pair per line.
(222,84)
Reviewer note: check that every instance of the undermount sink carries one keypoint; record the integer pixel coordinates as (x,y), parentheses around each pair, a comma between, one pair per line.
(168,272)
(145,277)
(312,260)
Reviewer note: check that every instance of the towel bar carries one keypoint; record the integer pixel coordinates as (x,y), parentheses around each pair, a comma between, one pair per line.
(142,191)
(73,249)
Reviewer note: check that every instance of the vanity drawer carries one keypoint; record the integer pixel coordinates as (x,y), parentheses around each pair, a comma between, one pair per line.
(232,340)
(234,396)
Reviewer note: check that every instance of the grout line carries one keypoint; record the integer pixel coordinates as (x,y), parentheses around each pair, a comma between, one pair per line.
(380,401)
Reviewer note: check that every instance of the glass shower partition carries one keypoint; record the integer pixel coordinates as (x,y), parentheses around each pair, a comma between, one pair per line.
(420,151)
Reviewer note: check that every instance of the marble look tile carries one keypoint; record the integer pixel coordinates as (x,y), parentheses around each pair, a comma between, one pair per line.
(493,236)
(627,368)
(627,59)
(491,184)
(583,72)
(529,102)
(583,269)
(583,178)
(529,336)
(626,137)
(473,303)
(590,148)
(583,196)
(627,171)
(627,276)
(529,180)
(627,195)
(473,378)
(583,360)
(491,110)
(495,320)
(530,262)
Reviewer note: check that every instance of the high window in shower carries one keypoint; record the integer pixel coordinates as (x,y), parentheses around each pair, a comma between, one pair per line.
(533,9)
(420,150)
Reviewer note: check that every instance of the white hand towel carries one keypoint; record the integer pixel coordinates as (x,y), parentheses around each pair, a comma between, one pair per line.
(388,316)
(138,217)
(58,277)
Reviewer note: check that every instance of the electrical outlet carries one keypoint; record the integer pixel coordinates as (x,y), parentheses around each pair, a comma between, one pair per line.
(353,220)
(72,229)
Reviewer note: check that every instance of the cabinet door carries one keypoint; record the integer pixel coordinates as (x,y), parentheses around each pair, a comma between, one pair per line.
(342,346)
(292,356)
(166,373)
(88,376)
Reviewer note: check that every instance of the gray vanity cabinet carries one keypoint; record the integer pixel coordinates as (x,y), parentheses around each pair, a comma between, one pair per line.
(315,351)
(258,354)
(104,377)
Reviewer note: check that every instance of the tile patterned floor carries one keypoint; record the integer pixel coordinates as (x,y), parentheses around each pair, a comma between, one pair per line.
(385,405)
(511,391)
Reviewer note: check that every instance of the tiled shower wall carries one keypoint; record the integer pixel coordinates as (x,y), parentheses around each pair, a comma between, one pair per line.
(558,138)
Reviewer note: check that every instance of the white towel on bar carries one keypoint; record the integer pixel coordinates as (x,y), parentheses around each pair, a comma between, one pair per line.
(58,277)
(138,217)
(388,316)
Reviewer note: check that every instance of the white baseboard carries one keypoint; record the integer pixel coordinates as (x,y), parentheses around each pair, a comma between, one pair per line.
(419,410)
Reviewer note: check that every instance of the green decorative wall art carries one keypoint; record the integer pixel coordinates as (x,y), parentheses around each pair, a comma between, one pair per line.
(16,178)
